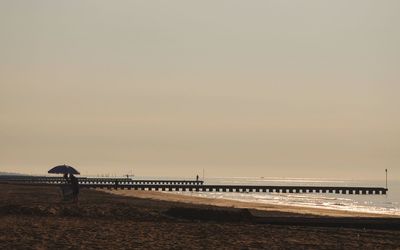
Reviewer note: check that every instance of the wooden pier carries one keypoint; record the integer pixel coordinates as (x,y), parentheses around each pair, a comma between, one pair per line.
(246,188)
(189,186)
(83,181)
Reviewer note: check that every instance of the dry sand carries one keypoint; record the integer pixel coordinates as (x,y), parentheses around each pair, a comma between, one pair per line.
(33,217)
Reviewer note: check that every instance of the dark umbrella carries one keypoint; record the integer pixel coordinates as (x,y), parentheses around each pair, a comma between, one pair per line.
(63,169)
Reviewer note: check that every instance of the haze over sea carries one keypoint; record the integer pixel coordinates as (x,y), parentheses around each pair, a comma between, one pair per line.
(381,204)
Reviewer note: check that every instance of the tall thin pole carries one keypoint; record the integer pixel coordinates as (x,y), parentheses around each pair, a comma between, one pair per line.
(386,177)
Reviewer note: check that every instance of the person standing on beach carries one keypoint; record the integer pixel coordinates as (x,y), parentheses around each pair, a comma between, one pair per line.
(75,187)
(65,187)
(67,180)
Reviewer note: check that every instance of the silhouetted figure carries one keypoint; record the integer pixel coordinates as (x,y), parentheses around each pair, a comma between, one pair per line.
(66,189)
(67,180)
(75,187)
(197,179)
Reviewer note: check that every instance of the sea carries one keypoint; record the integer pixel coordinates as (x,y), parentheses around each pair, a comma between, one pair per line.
(388,204)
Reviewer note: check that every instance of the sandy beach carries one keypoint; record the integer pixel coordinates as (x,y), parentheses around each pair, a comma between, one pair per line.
(34,217)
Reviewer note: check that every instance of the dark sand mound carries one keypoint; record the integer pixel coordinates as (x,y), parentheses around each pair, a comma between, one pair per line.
(218,215)
(244,215)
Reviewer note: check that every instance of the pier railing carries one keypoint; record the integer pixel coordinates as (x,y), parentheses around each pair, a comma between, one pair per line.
(249,189)
(97,181)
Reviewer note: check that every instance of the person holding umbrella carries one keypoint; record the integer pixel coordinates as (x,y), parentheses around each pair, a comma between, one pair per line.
(72,181)
(66,178)
(75,187)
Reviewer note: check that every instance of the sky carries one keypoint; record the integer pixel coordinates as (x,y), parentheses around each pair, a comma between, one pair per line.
(299,89)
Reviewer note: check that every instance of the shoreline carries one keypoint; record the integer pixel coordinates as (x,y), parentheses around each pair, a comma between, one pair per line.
(262,207)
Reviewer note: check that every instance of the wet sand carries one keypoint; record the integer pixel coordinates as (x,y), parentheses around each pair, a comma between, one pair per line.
(33,217)
(165,196)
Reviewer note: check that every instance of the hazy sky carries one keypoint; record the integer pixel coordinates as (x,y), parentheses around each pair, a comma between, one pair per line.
(239,88)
